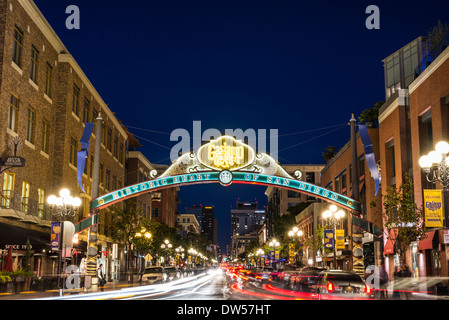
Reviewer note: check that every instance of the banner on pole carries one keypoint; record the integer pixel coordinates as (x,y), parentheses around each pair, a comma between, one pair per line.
(433,208)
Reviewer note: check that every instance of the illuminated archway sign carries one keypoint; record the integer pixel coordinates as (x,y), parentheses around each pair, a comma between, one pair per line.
(225,161)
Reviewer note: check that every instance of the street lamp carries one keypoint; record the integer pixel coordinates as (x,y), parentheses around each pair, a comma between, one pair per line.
(64,206)
(333,215)
(295,233)
(166,245)
(179,251)
(274,244)
(436,167)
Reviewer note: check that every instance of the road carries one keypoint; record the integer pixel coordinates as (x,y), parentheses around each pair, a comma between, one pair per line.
(213,285)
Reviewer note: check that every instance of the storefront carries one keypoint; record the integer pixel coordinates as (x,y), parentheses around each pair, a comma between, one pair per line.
(17,238)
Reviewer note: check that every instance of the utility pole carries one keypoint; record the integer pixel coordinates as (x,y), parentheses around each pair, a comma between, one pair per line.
(93,231)
(355,239)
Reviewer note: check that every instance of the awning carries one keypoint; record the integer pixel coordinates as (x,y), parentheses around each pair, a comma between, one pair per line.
(427,243)
(17,237)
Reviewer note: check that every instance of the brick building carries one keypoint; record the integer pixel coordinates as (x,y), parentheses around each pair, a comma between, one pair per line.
(337,176)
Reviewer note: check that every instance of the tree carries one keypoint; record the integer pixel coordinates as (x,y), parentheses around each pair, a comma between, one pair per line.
(329,153)
(402,215)
(370,116)
(128,223)
(437,40)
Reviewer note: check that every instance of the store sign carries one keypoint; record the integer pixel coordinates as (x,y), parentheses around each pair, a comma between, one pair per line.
(433,208)
(226,153)
(16,162)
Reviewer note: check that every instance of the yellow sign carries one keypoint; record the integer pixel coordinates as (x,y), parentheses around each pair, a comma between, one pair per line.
(340,239)
(433,208)
(226,153)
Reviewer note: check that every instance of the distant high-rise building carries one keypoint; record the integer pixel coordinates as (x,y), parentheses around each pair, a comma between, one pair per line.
(246,220)
(205,217)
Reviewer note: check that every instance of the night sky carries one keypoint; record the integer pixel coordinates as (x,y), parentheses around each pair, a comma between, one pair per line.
(301,67)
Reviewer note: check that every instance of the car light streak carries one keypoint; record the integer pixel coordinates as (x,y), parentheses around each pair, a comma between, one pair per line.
(236,287)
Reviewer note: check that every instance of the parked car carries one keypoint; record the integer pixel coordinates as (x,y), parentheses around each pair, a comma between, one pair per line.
(172,273)
(305,279)
(154,274)
(339,284)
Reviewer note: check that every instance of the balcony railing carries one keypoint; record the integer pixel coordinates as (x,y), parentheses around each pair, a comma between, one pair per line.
(29,206)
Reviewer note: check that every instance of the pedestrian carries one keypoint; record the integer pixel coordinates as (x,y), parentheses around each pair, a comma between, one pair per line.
(381,293)
(101,279)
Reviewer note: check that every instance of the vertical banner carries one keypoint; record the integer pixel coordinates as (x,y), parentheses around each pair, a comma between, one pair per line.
(340,239)
(433,208)
(55,236)
(276,255)
(329,239)
(291,252)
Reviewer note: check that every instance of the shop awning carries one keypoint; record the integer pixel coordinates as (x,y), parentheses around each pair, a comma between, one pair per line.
(427,243)
(17,237)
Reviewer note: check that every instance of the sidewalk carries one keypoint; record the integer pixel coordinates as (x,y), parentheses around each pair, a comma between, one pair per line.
(29,295)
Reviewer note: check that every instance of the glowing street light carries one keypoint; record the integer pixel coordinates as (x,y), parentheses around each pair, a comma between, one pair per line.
(333,215)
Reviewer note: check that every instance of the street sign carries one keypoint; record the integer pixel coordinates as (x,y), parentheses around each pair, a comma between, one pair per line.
(16,162)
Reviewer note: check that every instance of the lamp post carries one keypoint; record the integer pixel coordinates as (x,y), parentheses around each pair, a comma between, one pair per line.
(333,216)
(64,206)
(295,233)
(179,251)
(274,244)
(436,167)
(166,245)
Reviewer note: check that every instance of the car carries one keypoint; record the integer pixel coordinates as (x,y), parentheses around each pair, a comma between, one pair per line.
(154,274)
(305,279)
(285,273)
(340,284)
(172,273)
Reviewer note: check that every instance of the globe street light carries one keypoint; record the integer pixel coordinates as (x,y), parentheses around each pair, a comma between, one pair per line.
(333,216)
(64,206)
(274,244)
(295,233)
(166,245)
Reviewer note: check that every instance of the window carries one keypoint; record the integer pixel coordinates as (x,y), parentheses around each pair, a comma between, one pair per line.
(91,166)
(101,173)
(25,196)
(389,157)
(17,46)
(45,136)
(425,132)
(86,110)
(8,189)
(48,80)
(116,147)
(31,120)
(156,212)
(393,74)
(41,202)
(114,182)
(76,99)
(13,113)
(94,120)
(120,153)
(34,64)
(293,194)
(73,152)
(109,140)
(107,182)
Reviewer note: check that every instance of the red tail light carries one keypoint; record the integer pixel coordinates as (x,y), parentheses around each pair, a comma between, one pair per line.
(330,287)
(367,289)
